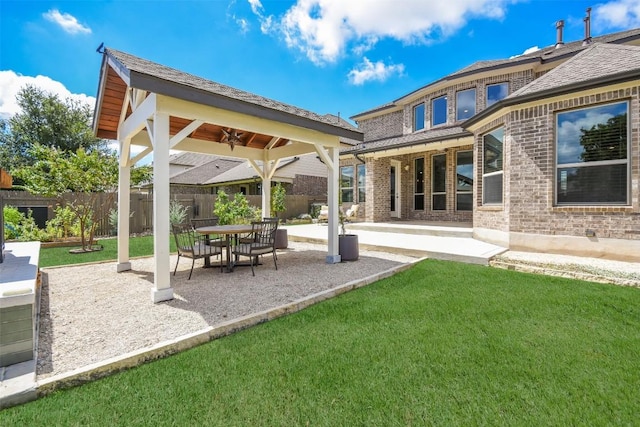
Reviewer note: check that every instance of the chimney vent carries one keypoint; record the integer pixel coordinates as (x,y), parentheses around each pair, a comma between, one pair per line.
(559,27)
(587,28)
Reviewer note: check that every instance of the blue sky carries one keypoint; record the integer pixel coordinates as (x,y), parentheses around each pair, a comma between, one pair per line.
(327,56)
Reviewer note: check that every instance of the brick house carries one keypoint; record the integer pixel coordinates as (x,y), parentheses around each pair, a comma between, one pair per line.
(538,152)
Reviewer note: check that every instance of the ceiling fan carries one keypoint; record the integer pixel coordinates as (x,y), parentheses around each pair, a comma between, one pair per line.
(231,137)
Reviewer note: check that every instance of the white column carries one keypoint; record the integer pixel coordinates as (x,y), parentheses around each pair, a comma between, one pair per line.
(266,190)
(332,199)
(124,192)
(162,290)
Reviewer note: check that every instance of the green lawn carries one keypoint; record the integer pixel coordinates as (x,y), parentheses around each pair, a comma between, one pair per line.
(138,246)
(440,344)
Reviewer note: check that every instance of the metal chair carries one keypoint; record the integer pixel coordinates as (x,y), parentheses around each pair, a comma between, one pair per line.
(214,239)
(192,245)
(263,242)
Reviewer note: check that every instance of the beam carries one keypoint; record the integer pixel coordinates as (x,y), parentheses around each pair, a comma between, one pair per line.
(231,119)
(188,129)
(137,120)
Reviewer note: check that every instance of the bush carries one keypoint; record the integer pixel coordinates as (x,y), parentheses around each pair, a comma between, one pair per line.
(177,212)
(236,211)
(12,219)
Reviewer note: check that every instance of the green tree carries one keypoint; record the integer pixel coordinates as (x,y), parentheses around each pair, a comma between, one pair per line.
(81,177)
(48,121)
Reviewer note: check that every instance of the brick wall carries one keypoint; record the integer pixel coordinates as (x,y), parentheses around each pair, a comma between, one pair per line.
(383,126)
(309,186)
(529,177)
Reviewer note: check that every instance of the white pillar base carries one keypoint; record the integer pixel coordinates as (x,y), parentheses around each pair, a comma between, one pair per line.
(333,259)
(159,295)
(123,266)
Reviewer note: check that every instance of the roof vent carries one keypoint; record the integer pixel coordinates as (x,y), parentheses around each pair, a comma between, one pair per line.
(559,27)
(587,28)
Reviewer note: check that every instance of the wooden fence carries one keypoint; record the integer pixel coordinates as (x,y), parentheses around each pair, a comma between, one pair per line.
(199,206)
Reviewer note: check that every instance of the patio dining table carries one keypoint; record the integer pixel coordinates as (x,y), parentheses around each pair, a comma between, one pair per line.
(227,231)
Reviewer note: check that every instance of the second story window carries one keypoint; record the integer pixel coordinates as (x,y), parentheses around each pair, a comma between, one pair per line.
(465,104)
(418,117)
(439,111)
(497,92)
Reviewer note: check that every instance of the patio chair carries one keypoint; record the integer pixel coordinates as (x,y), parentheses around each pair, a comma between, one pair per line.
(352,213)
(192,245)
(214,239)
(323,216)
(263,242)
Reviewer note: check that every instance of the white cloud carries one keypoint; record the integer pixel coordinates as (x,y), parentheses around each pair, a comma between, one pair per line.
(369,71)
(11,83)
(67,22)
(617,14)
(526,51)
(324,29)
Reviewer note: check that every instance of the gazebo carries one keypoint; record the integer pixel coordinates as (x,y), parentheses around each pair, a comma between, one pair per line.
(159,108)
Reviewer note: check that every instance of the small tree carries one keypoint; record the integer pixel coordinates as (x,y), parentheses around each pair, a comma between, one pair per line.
(278,199)
(82,176)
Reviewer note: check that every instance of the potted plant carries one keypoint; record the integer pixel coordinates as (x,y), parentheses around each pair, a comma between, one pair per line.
(348,247)
(278,204)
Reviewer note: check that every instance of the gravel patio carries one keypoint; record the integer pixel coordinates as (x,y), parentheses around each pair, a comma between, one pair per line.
(90,313)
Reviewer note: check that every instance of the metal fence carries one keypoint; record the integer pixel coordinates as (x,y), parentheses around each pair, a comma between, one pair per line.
(141,207)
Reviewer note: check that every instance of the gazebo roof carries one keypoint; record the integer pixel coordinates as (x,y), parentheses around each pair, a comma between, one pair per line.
(127,71)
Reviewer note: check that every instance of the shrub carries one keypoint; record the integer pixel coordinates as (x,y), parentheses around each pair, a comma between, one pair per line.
(12,219)
(177,212)
(236,211)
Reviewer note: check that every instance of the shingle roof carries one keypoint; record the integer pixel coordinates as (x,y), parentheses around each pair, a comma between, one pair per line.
(288,168)
(596,62)
(431,135)
(186,158)
(204,172)
(248,100)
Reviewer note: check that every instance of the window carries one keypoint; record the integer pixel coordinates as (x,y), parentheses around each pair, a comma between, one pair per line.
(464,180)
(497,92)
(439,182)
(418,117)
(418,186)
(346,183)
(593,155)
(465,104)
(362,191)
(439,111)
(492,167)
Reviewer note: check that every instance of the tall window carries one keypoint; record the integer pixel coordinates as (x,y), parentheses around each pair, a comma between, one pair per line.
(418,117)
(439,111)
(465,104)
(497,92)
(593,155)
(346,183)
(418,186)
(439,182)
(464,180)
(362,190)
(492,167)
